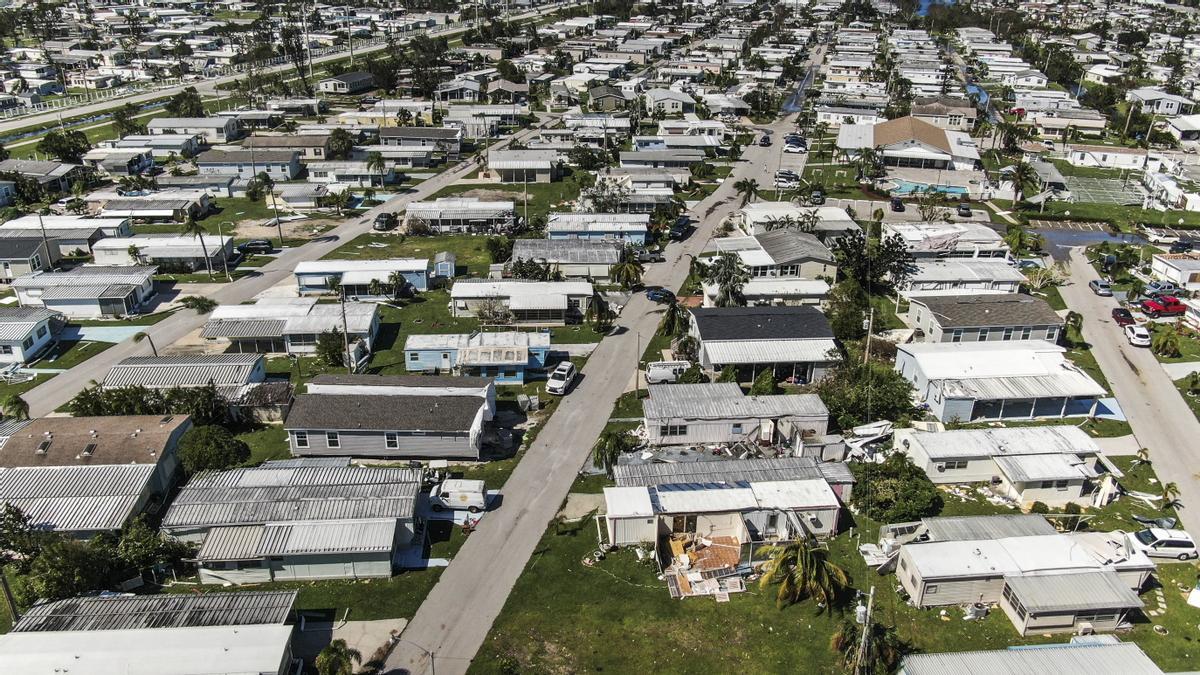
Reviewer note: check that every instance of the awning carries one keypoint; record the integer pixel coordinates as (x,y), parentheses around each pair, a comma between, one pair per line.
(549,301)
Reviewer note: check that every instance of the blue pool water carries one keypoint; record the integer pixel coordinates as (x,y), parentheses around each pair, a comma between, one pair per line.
(907,187)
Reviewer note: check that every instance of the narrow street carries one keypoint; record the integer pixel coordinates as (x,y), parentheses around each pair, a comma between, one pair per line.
(455,618)
(1160,418)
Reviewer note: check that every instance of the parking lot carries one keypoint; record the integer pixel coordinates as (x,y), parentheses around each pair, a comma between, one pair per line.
(1104,191)
(1067,225)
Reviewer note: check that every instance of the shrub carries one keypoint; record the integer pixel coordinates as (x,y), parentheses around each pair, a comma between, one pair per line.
(211,448)
(895,491)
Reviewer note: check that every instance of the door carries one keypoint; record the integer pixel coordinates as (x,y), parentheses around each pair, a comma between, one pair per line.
(445,360)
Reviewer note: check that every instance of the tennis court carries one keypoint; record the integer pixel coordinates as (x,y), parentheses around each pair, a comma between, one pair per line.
(1104,191)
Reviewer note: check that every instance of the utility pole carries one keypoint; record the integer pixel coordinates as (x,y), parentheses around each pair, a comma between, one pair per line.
(221,241)
(346,334)
(860,662)
(870,327)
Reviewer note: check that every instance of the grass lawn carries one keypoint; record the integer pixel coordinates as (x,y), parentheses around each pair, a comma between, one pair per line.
(1068,169)
(1080,353)
(543,197)
(1189,343)
(70,353)
(470,251)
(268,441)
(139,320)
(236,209)
(17,389)
(885,313)
(1098,428)
(1122,216)
(1192,401)
(1053,297)
(629,405)
(563,616)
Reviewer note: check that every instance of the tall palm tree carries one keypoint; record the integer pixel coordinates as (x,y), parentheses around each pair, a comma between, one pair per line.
(195,229)
(1170,495)
(376,163)
(609,447)
(802,570)
(15,407)
(1167,342)
(628,273)
(697,268)
(139,337)
(397,281)
(1022,175)
(747,188)
(675,320)
(730,276)
(884,650)
(337,658)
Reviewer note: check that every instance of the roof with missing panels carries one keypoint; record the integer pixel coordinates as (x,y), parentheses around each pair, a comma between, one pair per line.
(1000,526)
(761,323)
(179,610)
(730,471)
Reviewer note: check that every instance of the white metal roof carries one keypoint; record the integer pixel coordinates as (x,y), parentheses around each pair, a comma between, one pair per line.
(1001,441)
(1124,658)
(512,288)
(771,351)
(337,266)
(627,502)
(794,494)
(1001,370)
(1033,468)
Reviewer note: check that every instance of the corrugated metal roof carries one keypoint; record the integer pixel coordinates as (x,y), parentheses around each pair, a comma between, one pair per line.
(685,401)
(16,323)
(243,328)
(97,275)
(76,498)
(1119,659)
(972,528)
(190,371)
(1074,591)
(1027,468)
(773,469)
(258,541)
(159,611)
(569,251)
(1046,440)
(726,352)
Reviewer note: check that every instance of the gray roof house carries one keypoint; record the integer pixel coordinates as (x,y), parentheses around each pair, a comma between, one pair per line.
(347,83)
(982,318)
(25,332)
(392,417)
(88,291)
(164,634)
(1094,658)
(278,164)
(796,343)
(212,129)
(25,255)
(291,325)
(573,258)
(718,412)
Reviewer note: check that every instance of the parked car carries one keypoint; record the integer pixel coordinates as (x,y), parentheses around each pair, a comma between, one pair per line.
(765,141)
(660,295)
(786,184)
(651,257)
(1122,317)
(1137,335)
(1157,288)
(1182,246)
(383,222)
(458,494)
(964,210)
(561,378)
(794,148)
(1100,287)
(787,174)
(817,198)
(1163,305)
(256,246)
(660,372)
(1160,543)
(897,204)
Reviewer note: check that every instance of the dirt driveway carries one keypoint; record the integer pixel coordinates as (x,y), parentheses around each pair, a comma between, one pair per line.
(294,229)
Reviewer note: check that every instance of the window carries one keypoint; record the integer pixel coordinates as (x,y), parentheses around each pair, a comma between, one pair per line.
(391,440)
(931,589)
(510,372)
(956,336)
(332,440)
(1052,334)
(672,430)
(1026,333)
(414,357)
(36,262)
(1008,333)
(955,464)
(301,439)
(903,564)
(27,343)
(1060,485)
(41,331)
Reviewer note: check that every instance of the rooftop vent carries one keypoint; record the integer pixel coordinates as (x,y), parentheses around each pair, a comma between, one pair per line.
(42,447)
(89,449)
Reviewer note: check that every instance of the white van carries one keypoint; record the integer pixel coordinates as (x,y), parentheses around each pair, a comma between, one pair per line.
(458,494)
(1159,543)
(660,372)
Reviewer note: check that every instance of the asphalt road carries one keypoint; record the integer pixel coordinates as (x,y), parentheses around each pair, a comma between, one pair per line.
(51,395)
(455,618)
(1160,418)
(210,86)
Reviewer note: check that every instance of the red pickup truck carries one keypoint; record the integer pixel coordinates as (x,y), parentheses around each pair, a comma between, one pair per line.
(1164,305)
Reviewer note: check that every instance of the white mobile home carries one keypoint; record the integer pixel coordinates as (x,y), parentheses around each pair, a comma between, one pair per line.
(691,414)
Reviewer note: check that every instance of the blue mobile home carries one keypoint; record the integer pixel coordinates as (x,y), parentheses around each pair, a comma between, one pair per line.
(509,357)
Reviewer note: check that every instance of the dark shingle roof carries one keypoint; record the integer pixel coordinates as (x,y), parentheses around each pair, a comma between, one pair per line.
(383,412)
(1005,309)
(418,132)
(19,248)
(403,380)
(761,323)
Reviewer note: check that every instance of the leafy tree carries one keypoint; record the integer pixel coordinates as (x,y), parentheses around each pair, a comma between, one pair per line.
(211,447)
(895,491)
(20,540)
(871,263)
(337,658)
(124,121)
(1167,341)
(67,568)
(727,272)
(802,570)
(585,158)
(884,651)
(847,310)
(186,103)
(609,447)
(331,347)
(4,154)
(857,393)
(65,146)
(693,375)
(140,546)
(15,407)
(340,144)
(499,249)
(764,384)
(728,374)
(687,348)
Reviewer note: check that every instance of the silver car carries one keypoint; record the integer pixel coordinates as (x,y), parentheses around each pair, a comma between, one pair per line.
(1100,287)
(561,378)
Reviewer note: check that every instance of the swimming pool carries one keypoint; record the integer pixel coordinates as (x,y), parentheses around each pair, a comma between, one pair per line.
(907,187)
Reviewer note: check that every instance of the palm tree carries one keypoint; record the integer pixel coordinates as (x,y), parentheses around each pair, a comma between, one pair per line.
(1143,457)
(730,276)
(15,407)
(628,273)
(885,648)
(139,337)
(675,320)
(802,570)
(198,303)
(337,659)
(1017,239)
(747,188)
(867,162)
(397,281)
(697,268)
(1170,495)
(1022,175)
(190,226)
(1166,341)
(609,447)
(376,163)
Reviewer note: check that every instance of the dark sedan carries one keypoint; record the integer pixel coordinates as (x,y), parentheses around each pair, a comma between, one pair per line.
(660,295)
(1122,317)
